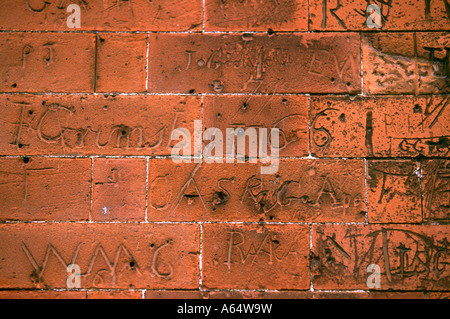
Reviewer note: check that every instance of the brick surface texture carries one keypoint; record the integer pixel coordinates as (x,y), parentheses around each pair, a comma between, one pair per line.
(92,113)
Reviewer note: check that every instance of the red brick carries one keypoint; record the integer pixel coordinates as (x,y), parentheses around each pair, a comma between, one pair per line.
(287,113)
(110,256)
(103,15)
(396,295)
(285,295)
(302,190)
(281,63)
(121,62)
(93,124)
(433,58)
(41,294)
(256,256)
(388,126)
(393,192)
(174,294)
(399,63)
(253,15)
(396,15)
(44,189)
(438,295)
(412,257)
(47,62)
(119,189)
(436,188)
(115,294)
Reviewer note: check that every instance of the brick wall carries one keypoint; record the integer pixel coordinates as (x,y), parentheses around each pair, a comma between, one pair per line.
(86,176)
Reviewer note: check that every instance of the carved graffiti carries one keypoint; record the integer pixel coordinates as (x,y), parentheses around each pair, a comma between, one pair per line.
(406,256)
(94,274)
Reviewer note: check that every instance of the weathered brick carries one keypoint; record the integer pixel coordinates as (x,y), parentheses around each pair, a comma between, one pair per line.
(410,257)
(287,113)
(119,189)
(388,126)
(255,15)
(393,192)
(124,256)
(301,190)
(435,190)
(396,295)
(41,294)
(395,15)
(406,63)
(44,189)
(281,63)
(174,294)
(114,294)
(285,295)
(433,61)
(103,15)
(47,62)
(94,124)
(256,256)
(438,295)
(121,62)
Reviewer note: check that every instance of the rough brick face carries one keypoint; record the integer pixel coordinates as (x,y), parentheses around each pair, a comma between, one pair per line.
(304,190)
(103,15)
(256,257)
(253,63)
(255,15)
(94,125)
(125,256)
(118,189)
(47,62)
(121,149)
(410,257)
(45,189)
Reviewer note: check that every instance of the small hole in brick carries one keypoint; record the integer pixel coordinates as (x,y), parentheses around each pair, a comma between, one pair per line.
(14,85)
(101,40)
(417,109)
(132,264)
(30,112)
(191,91)
(26,160)
(333,79)
(19,145)
(105,107)
(152,245)
(270,32)
(244,106)
(219,115)
(348,84)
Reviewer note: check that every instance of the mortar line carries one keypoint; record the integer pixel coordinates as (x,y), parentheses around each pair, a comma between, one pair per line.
(92,189)
(361,62)
(309,127)
(146,65)
(203,17)
(311,285)
(96,61)
(200,259)
(146,190)
(366,175)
